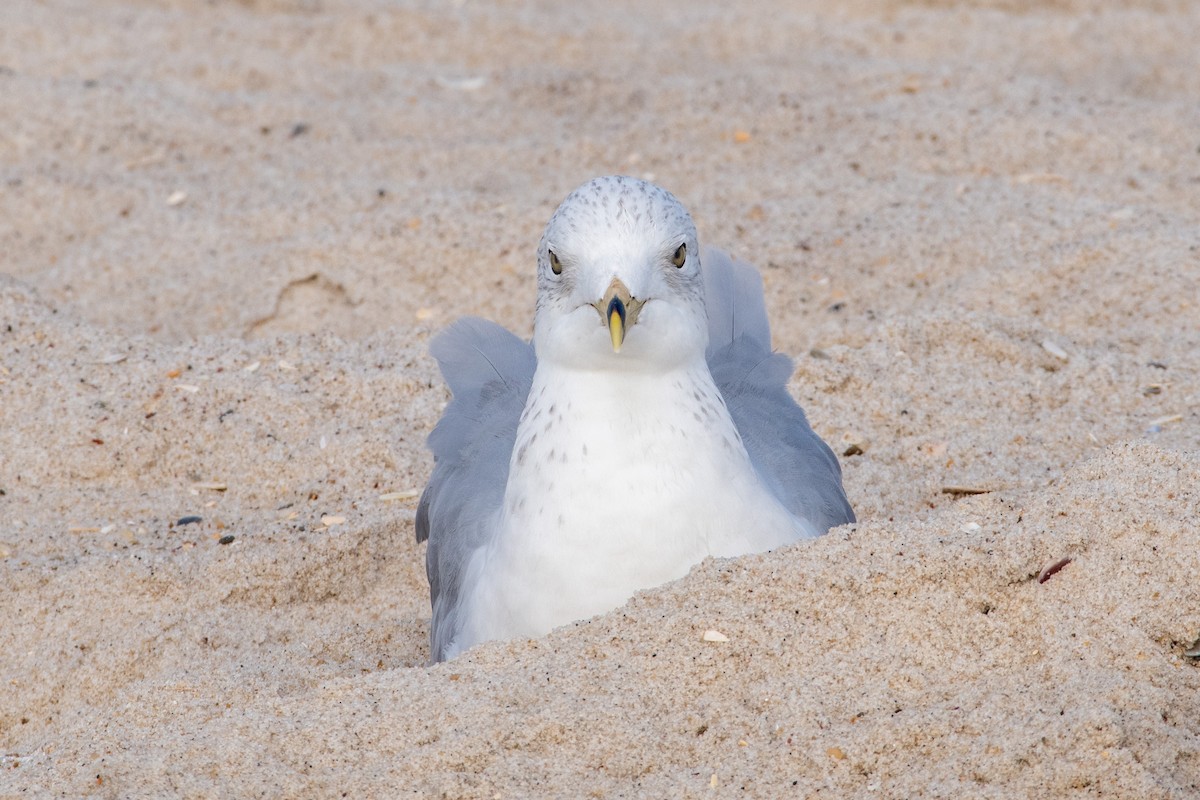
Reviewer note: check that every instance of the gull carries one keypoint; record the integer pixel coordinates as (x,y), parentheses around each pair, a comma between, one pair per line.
(647,427)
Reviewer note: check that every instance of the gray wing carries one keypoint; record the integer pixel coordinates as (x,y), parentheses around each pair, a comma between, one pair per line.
(489,371)
(790,458)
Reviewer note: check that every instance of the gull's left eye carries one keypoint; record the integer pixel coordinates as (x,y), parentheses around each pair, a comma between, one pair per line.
(680,256)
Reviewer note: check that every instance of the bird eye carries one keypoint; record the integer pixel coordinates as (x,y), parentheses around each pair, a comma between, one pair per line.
(555,264)
(680,256)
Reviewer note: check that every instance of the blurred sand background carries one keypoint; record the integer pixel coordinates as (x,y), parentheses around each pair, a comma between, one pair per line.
(228,230)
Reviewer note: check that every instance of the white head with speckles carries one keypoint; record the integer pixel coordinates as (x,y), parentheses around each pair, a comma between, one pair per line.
(619,282)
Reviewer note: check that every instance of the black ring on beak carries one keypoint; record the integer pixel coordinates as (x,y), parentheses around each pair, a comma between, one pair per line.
(616,305)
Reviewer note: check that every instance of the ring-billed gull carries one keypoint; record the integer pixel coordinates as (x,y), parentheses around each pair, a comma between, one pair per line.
(647,426)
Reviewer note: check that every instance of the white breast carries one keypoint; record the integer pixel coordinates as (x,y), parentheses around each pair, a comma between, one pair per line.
(617,483)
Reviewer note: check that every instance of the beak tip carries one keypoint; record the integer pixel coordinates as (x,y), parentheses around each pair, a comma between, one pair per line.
(616,329)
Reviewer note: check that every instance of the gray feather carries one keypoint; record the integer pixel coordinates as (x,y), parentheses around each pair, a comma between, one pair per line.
(489,371)
(733,296)
(790,458)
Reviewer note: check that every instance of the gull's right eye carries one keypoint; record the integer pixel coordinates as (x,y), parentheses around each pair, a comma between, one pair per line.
(555,264)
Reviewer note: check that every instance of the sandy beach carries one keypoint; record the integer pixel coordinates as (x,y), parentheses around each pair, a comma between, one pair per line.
(228,231)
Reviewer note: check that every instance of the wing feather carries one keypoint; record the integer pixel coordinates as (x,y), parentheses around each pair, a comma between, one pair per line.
(790,457)
(489,371)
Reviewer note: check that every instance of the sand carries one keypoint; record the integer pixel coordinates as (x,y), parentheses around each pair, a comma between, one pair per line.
(228,230)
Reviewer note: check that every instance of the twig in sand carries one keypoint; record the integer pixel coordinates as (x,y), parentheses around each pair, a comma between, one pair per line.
(965,490)
(1052,570)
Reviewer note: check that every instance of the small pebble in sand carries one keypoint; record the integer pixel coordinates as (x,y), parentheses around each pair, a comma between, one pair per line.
(854,443)
(1054,350)
(329,520)
(715,636)
(188,520)
(227,539)
(177,198)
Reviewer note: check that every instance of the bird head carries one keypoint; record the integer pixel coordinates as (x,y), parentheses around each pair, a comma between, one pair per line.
(619,281)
